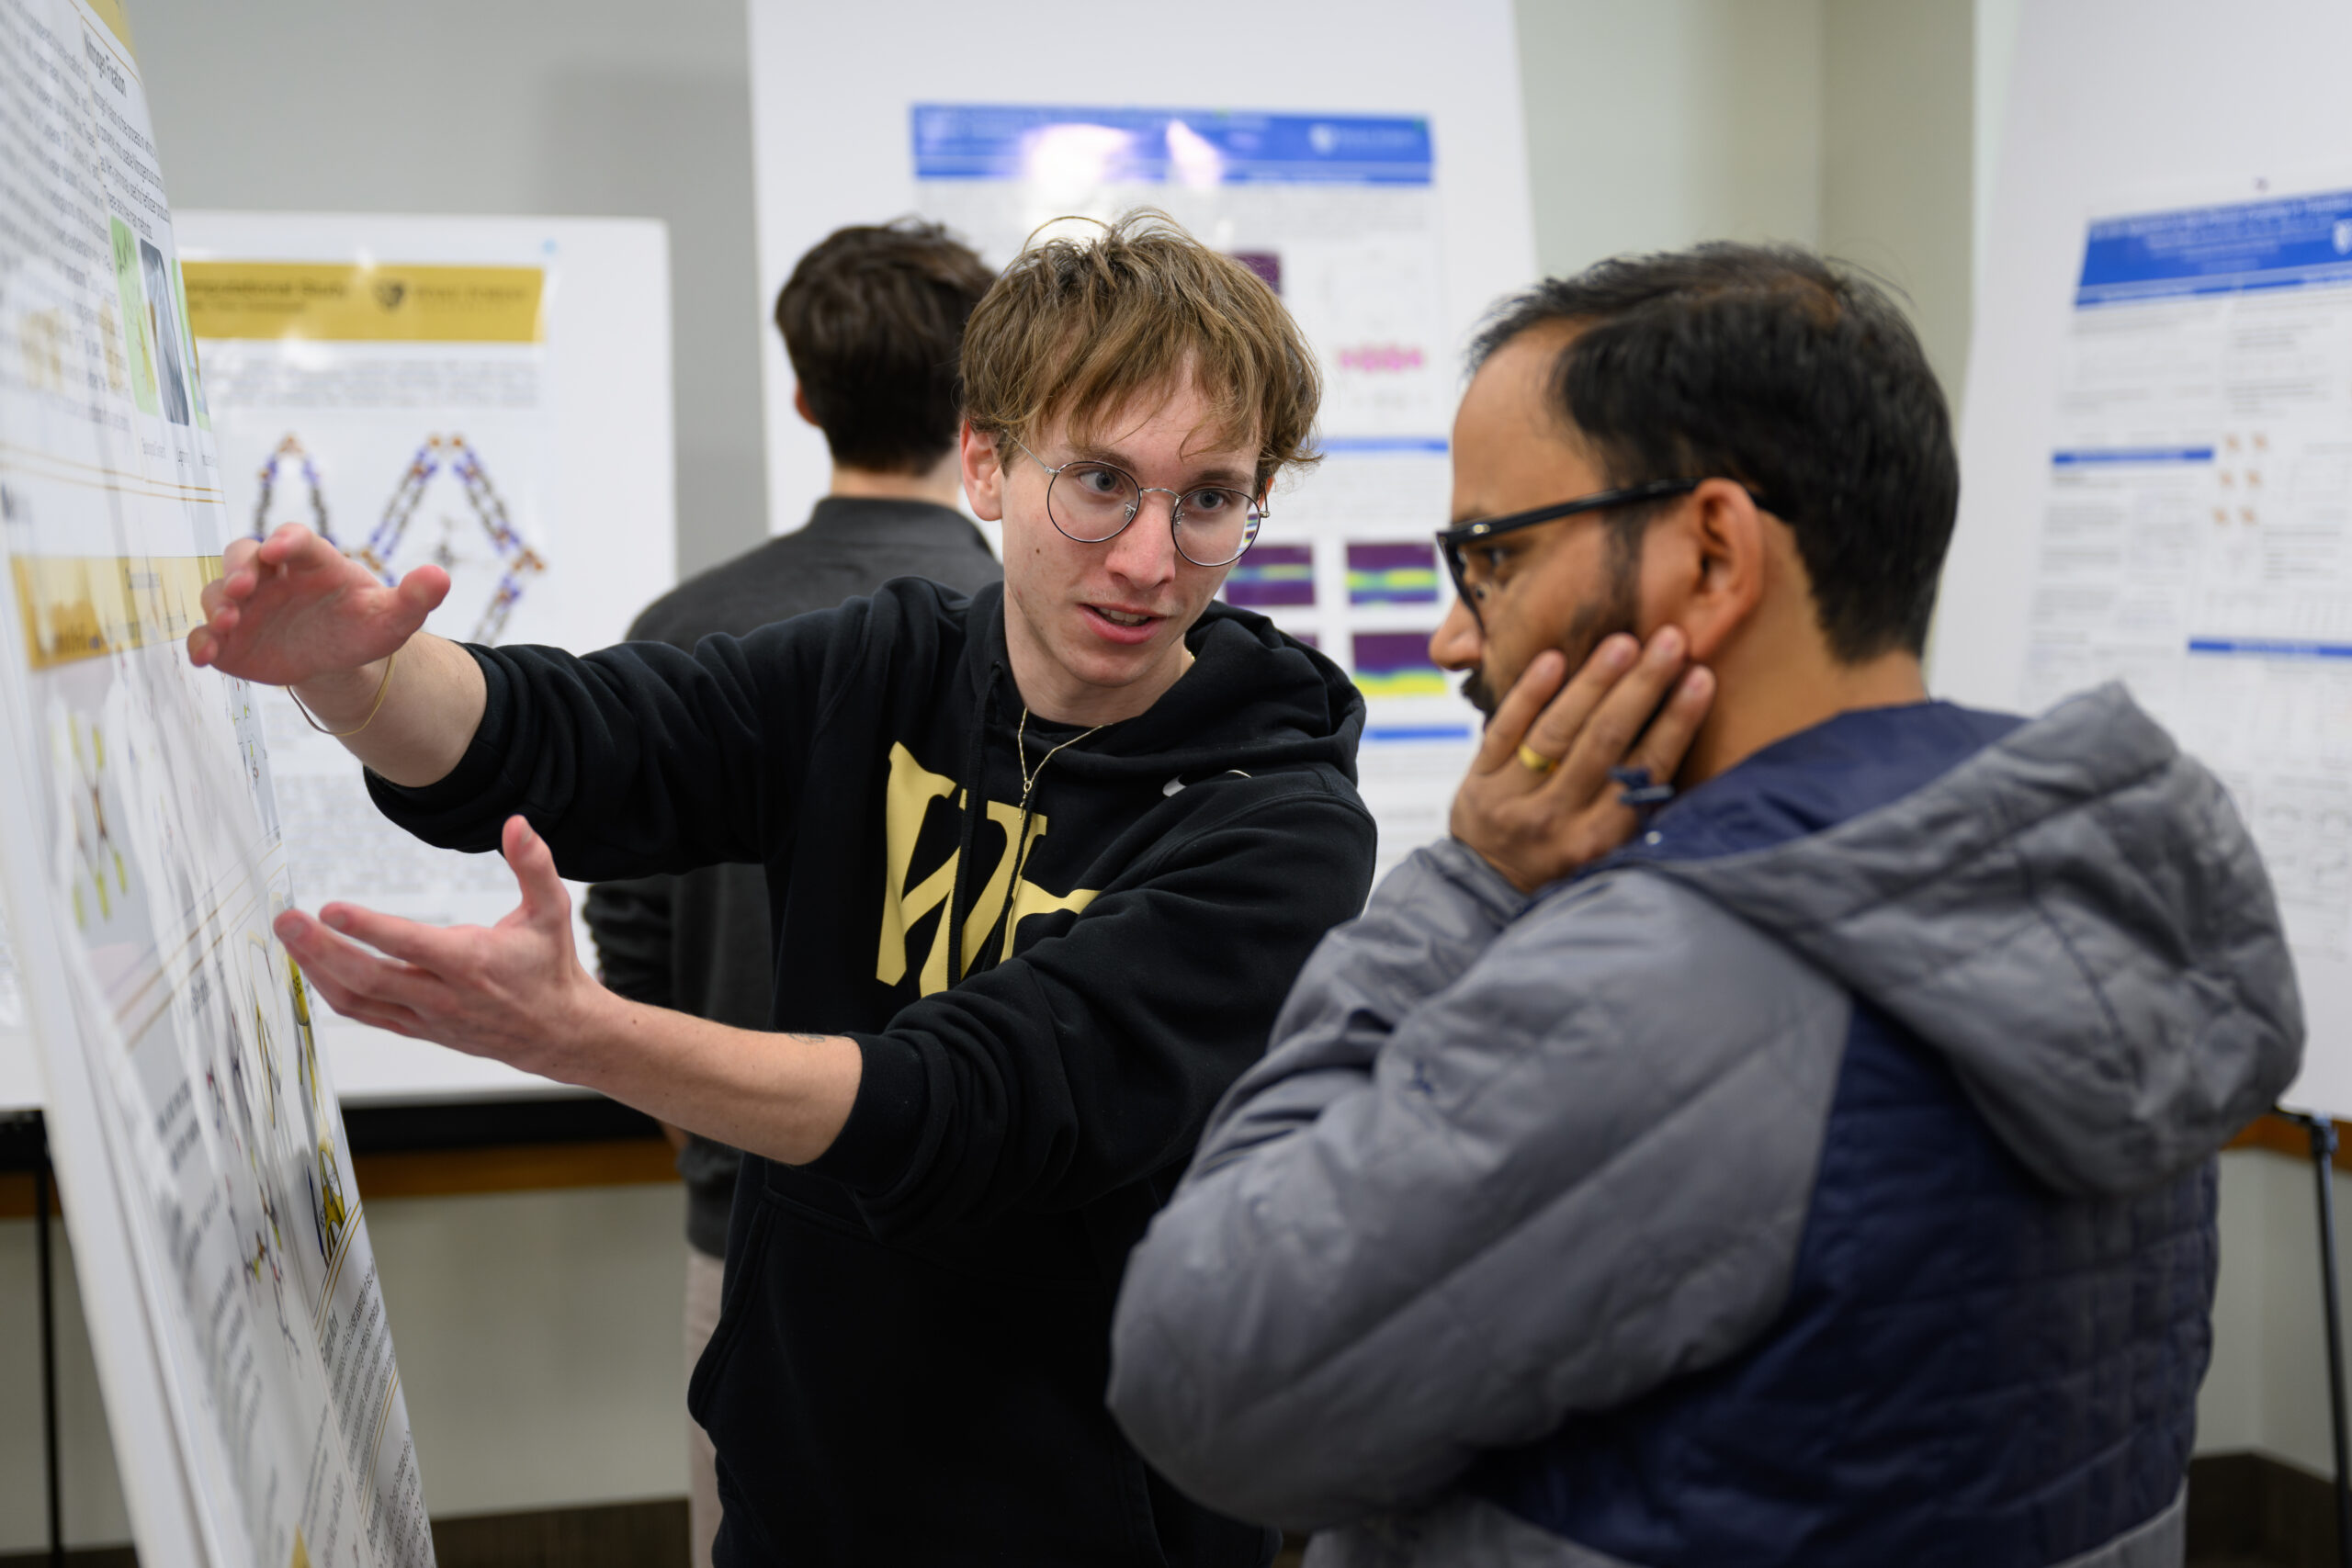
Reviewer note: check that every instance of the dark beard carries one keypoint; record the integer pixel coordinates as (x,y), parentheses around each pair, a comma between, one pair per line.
(1603,617)
(1477,694)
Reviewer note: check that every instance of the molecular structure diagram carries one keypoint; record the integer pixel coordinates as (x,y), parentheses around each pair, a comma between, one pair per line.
(290,451)
(94,838)
(518,561)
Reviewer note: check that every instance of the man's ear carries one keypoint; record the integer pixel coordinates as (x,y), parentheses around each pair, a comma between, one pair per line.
(983,473)
(1717,559)
(800,405)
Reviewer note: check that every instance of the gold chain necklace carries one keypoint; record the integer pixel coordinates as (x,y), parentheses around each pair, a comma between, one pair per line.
(1028,784)
(1020,754)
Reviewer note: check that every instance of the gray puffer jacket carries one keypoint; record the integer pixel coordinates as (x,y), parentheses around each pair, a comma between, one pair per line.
(1725,1203)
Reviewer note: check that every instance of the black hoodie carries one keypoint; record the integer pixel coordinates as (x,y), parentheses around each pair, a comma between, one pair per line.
(911,1362)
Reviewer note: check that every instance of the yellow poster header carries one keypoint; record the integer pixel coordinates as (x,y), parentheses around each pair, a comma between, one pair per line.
(83,606)
(110,13)
(327,302)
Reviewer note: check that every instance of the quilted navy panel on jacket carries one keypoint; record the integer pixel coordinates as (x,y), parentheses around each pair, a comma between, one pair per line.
(1970,1369)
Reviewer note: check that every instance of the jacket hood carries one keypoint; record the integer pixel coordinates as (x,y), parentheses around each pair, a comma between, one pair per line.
(2077,917)
(1255,698)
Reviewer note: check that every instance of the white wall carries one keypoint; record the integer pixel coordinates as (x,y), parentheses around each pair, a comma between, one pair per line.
(1845,124)
(1898,146)
(1657,125)
(1996,49)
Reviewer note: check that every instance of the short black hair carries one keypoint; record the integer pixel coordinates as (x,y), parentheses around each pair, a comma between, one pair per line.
(1793,376)
(873,321)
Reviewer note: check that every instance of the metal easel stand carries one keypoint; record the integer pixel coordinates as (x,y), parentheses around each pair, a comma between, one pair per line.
(48,1367)
(24,1145)
(2323,1137)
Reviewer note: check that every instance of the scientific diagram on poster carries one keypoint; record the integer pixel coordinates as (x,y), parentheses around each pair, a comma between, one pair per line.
(1339,215)
(235,1312)
(2196,534)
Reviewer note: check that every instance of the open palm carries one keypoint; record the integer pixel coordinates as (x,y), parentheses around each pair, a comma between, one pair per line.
(292,607)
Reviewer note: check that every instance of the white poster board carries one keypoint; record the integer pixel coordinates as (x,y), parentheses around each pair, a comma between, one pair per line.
(219,1236)
(2156,450)
(1379,182)
(491,394)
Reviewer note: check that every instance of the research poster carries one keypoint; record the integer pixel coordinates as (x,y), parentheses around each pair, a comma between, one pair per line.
(1338,214)
(402,411)
(489,395)
(2196,531)
(240,1329)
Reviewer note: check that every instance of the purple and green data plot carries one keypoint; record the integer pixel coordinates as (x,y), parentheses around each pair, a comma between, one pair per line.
(1273,577)
(1396,664)
(1392,574)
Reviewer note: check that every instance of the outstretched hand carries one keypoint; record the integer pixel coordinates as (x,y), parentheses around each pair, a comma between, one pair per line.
(1537,826)
(292,607)
(515,991)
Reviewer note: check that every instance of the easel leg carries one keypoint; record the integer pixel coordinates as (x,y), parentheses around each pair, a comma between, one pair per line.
(48,1365)
(2322,1135)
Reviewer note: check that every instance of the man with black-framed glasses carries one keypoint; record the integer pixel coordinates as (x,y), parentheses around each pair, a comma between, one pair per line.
(1824,1177)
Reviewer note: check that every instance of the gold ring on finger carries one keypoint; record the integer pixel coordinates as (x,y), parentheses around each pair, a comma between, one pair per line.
(1534,762)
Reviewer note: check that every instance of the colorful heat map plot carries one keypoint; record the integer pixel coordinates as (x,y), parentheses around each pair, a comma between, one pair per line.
(1396,664)
(1392,574)
(1273,577)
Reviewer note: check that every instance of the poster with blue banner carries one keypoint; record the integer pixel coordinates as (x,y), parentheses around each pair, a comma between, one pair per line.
(2196,534)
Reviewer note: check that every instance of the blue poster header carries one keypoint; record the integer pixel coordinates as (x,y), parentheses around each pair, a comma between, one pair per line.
(1188,147)
(2129,455)
(2269,647)
(2297,242)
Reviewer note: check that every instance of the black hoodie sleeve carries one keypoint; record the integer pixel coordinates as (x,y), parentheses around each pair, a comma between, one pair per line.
(637,759)
(1091,1060)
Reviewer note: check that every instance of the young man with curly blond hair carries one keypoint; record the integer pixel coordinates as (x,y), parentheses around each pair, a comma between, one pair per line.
(1042,862)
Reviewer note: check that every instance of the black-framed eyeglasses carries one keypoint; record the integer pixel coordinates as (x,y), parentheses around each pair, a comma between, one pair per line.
(1092,503)
(1456,544)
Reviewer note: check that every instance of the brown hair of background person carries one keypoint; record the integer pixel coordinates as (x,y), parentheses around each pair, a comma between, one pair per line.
(873,321)
(1086,325)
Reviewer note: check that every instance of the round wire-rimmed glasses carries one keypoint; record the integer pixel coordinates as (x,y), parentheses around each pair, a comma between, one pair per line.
(1092,503)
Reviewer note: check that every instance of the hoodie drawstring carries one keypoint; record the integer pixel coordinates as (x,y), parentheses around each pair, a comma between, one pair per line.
(975,808)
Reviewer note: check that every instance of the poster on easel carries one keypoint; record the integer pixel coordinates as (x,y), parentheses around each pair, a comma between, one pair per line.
(2196,528)
(221,1238)
(2154,485)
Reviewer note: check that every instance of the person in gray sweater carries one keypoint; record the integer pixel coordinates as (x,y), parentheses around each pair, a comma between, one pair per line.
(1826,1176)
(873,321)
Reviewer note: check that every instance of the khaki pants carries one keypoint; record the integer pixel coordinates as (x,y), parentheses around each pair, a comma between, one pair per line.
(704,1276)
